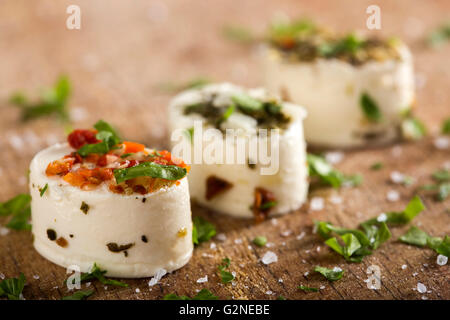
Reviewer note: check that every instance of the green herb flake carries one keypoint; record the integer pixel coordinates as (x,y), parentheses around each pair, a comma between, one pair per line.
(415,236)
(19,211)
(377,166)
(331,274)
(12,288)
(225,275)
(42,190)
(321,169)
(413,129)
(307,289)
(260,241)
(202,230)
(247,103)
(370,108)
(97,273)
(439,36)
(53,101)
(79,295)
(280,297)
(203,294)
(238,34)
(446,126)
(150,169)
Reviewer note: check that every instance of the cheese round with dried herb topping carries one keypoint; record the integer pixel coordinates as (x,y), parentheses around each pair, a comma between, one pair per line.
(128,234)
(349,105)
(250,185)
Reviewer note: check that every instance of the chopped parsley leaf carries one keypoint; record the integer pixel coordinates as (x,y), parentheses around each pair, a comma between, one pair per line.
(446,126)
(413,129)
(377,166)
(97,273)
(202,230)
(370,108)
(150,169)
(331,274)
(307,289)
(53,101)
(225,275)
(42,191)
(12,288)
(203,294)
(79,295)
(19,210)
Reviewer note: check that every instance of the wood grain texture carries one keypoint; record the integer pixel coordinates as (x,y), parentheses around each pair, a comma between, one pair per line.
(116,62)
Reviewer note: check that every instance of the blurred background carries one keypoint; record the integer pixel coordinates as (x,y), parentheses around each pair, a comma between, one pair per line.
(129,58)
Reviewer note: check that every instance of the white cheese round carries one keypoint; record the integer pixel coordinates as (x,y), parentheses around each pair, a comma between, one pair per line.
(330,90)
(289,184)
(163,220)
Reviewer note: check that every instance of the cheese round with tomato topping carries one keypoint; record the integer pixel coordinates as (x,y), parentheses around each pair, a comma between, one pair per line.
(247,187)
(128,234)
(341,97)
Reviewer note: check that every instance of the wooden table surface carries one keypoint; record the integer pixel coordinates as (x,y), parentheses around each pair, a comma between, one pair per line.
(116,63)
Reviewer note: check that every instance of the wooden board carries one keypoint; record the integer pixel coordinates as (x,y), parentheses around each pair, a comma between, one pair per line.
(116,62)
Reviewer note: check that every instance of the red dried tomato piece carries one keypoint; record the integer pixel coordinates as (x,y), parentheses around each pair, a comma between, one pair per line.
(80,137)
(263,203)
(216,186)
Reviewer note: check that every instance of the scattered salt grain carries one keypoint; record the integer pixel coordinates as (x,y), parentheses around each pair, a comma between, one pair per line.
(280,280)
(322,287)
(286,233)
(318,249)
(269,292)
(238,241)
(316,204)
(138,290)
(424,298)
(306,273)
(202,280)
(269,257)
(2,276)
(334,157)
(382,217)
(335,199)
(397,177)
(404,267)
(274,221)
(441,260)
(421,287)
(270,244)
(212,246)
(88,284)
(337,269)
(441,143)
(4,231)
(392,195)
(105,287)
(36,277)
(159,274)
(301,235)
(221,237)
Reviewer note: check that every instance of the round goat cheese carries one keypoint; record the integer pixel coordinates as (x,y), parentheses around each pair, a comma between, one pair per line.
(229,180)
(129,235)
(331,91)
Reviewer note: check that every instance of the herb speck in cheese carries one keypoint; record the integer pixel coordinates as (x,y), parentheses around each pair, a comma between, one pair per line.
(84,207)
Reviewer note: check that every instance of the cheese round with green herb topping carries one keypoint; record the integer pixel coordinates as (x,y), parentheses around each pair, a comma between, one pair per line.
(349,105)
(248,184)
(129,234)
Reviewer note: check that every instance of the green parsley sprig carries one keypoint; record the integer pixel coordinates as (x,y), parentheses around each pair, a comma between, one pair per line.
(202,230)
(203,294)
(99,274)
(19,211)
(12,288)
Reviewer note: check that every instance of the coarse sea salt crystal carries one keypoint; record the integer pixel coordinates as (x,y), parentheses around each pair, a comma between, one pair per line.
(337,269)
(268,292)
(36,277)
(306,273)
(202,280)
(316,204)
(334,157)
(322,287)
(159,274)
(382,217)
(286,233)
(280,280)
(397,177)
(212,245)
(238,241)
(335,199)
(4,231)
(269,257)
(274,221)
(221,237)
(2,276)
(404,267)
(392,195)
(441,143)
(421,287)
(301,235)
(138,290)
(441,260)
